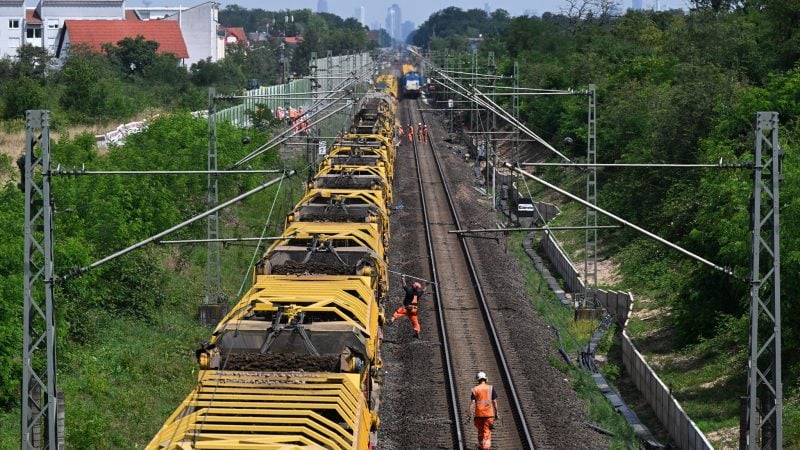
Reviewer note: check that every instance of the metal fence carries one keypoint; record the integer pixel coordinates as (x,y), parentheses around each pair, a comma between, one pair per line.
(682,430)
(271,97)
(562,264)
(331,71)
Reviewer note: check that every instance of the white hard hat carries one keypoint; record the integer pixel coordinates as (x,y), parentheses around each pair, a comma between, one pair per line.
(481,376)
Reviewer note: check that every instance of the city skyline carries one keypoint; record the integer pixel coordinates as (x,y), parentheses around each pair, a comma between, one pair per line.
(416,11)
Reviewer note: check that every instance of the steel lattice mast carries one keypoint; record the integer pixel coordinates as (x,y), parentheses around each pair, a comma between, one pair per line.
(40,427)
(764,385)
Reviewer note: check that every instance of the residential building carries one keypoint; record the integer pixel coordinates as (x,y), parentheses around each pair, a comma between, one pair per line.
(95,33)
(41,25)
(53,13)
(34,31)
(199,27)
(234,35)
(12,13)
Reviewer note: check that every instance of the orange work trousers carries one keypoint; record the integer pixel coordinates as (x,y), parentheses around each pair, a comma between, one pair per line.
(411,313)
(484,427)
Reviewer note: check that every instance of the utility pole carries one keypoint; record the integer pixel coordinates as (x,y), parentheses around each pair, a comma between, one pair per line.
(590,248)
(284,56)
(474,116)
(310,150)
(491,69)
(42,404)
(764,384)
(450,92)
(515,111)
(210,313)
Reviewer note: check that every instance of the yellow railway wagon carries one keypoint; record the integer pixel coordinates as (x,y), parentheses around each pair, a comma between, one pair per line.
(294,364)
(353,177)
(387,84)
(361,150)
(339,317)
(230,410)
(343,205)
(328,166)
(375,115)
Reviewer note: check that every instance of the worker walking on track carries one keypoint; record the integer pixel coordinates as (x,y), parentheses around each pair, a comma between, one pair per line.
(410,304)
(484,406)
(411,132)
(425,134)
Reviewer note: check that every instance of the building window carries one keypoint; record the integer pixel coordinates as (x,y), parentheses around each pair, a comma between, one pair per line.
(33,33)
(13,24)
(52,24)
(13,43)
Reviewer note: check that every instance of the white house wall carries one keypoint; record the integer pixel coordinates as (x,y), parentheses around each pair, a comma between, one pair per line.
(54,14)
(199,28)
(10,39)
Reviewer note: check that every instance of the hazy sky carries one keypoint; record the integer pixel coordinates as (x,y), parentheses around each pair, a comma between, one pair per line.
(416,11)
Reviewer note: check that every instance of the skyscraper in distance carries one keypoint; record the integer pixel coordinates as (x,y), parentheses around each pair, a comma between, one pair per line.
(394,18)
(636,4)
(322,6)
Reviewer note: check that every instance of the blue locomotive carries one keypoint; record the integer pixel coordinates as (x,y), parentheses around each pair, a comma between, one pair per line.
(411,83)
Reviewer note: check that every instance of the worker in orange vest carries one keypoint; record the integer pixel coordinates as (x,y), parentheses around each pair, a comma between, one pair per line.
(410,304)
(484,406)
(425,134)
(411,132)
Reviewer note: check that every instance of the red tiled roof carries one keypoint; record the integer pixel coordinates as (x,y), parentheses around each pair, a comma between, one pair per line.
(32,17)
(94,33)
(293,39)
(238,33)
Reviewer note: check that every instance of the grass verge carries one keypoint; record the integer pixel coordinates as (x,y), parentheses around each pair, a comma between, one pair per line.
(573,337)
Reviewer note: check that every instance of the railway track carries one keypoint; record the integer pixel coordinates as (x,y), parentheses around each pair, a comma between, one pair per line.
(469,339)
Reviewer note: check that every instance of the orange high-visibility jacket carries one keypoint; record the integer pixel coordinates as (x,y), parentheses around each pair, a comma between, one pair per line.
(482,394)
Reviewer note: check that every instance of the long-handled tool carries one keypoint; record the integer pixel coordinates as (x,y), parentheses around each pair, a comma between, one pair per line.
(409,276)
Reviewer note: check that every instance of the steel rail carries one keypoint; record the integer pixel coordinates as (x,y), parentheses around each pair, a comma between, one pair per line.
(459,434)
(517,411)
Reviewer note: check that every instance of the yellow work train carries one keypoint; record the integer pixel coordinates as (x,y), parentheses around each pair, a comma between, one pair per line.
(294,364)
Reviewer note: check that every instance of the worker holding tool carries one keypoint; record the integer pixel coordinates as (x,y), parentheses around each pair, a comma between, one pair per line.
(410,303)
(484,406)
